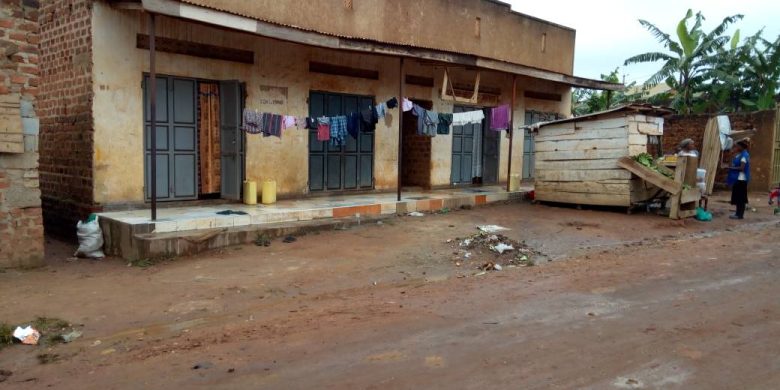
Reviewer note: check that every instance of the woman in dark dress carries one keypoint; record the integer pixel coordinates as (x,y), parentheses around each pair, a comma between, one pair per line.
(738,178)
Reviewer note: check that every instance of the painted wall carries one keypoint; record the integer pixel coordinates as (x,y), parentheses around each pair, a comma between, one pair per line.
(449,25)
(118,69)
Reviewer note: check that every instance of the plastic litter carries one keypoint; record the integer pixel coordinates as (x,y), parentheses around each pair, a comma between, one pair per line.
(27,335)
(703,215)
(501,248)
(90,238)
(491,228)
(66,338)
(416,214)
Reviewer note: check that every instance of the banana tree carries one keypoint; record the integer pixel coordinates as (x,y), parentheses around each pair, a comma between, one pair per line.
(686,64)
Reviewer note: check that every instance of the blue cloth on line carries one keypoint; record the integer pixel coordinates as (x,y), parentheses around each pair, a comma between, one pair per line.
(338,130)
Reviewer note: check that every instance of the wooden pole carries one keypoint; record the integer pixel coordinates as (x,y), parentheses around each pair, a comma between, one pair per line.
(400,125)
(152,90)
(511,133)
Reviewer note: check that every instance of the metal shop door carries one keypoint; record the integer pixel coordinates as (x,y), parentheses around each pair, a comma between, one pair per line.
(176,139)
(491,149)
(463,150)
(231,105)
(347,167)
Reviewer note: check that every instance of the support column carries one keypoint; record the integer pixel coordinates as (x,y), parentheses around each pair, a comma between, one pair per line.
(152,90)
(400,125)
(511,133)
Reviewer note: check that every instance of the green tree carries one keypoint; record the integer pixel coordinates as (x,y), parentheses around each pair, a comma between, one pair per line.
(687,64)
(586,101)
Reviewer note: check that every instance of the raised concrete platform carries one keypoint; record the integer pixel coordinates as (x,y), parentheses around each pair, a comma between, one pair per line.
(189,230)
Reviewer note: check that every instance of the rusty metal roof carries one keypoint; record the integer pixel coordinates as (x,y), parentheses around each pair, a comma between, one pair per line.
(633,108)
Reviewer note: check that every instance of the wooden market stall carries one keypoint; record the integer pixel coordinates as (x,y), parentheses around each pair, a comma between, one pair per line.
(578,159)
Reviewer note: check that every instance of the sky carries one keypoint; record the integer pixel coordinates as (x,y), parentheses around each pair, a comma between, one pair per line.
(608,31)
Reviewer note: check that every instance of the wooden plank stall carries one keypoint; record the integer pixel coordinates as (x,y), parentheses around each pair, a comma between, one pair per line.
(577,159)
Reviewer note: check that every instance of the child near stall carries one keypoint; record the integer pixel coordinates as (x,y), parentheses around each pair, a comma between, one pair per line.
(774,196)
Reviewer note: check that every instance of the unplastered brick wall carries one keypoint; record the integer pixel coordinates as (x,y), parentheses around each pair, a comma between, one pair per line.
(65,109)
(416,155)
(21,225)
(680,127)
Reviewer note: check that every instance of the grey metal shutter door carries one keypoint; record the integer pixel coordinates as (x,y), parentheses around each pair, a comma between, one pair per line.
(231,139)
(176,139)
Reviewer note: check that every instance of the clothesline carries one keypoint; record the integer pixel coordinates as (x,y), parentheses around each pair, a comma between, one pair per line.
(336,128)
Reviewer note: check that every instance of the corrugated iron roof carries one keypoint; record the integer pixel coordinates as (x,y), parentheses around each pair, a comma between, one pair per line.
(646,109)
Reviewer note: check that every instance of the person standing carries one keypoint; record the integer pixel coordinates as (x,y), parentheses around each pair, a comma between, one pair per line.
(738,178)
(687,148)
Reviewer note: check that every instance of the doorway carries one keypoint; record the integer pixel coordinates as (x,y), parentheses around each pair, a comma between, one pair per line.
(200,147)
(475,151)
(416,164)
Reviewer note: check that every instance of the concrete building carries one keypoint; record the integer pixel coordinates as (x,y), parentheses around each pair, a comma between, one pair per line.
(216,57)
(21,226)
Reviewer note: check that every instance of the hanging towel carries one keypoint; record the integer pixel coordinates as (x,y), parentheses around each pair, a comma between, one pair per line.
(499,118)
(445,120)
(353,124)
(469,117)
(338,130)
(406,105)
(272,125)
(392,103)
(380,110)
(369,119)
(323,129)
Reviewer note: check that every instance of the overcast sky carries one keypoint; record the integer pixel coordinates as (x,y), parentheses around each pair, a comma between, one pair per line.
(608,31)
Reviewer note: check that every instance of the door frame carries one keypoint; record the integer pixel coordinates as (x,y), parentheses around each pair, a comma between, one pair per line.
(198,80)
(485,127)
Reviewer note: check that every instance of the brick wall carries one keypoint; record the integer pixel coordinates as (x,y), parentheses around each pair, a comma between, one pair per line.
(680,127)
(65,109)
(21,226)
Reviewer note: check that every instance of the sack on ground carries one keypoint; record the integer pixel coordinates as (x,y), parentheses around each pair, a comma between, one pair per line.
(90,238)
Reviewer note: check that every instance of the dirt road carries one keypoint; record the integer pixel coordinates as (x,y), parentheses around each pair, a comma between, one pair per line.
(614,301)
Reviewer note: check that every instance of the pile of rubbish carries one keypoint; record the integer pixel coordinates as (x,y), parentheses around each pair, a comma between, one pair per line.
(489,250)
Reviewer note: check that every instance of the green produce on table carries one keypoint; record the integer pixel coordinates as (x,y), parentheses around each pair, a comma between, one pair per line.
(647,160)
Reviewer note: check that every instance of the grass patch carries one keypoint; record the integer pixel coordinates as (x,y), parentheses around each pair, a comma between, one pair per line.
(149,261)
(6,335)
(51,330)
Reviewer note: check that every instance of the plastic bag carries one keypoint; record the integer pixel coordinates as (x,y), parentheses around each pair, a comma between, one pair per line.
(703,215)
(90,238)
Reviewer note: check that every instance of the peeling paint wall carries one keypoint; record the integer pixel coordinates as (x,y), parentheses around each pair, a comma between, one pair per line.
(118,69)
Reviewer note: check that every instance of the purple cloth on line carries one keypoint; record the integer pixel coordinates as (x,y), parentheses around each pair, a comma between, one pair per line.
(499,118)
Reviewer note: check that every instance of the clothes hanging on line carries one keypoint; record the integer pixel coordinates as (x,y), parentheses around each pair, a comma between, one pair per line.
(369,119)
(311,123)
(353,124)
(469,117)
(406,105)
(445,121)
(338,130)
(499,118)
(272,125)
(323,129)
(392,103)
(251,121)
(427,121)
(290,122)
(381,109)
